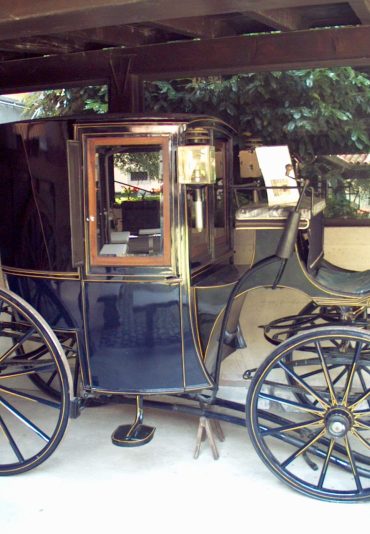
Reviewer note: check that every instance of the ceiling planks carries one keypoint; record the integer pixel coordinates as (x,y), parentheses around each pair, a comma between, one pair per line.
(279,19)
(197,27)
(26,18)
(362,10)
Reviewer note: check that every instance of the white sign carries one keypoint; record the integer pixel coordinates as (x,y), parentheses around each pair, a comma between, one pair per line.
(278,174)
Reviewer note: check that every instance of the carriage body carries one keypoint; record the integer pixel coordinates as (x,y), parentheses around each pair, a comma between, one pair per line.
(99,236)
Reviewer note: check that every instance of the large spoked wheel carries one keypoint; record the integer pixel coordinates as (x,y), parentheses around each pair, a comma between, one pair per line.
(308,413)
(31,423)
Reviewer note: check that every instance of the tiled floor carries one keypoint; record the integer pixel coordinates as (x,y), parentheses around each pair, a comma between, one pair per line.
(88,485)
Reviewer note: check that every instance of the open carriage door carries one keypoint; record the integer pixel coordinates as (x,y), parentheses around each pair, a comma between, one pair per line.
(135,308)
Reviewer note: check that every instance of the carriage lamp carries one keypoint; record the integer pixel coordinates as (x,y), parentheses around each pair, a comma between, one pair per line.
(196,164)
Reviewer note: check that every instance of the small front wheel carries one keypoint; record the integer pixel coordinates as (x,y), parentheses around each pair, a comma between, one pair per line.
(31,423)
(308,413)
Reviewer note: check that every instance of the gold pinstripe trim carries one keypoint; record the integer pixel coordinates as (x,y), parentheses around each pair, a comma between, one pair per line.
(41,274)
(84,317)
(195,304)
(303,225)
(182,339)
(151,392)
(216,286)
(159,281)
(12,393)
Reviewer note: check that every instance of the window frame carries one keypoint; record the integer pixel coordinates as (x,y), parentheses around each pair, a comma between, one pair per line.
(91,143)
(222,241)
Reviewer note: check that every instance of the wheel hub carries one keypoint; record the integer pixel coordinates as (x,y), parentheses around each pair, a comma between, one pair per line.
(338,423)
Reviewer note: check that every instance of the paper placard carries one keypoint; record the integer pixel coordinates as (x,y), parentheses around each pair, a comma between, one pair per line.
(277,171)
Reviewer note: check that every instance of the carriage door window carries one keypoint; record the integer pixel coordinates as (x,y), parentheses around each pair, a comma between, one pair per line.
(128,201)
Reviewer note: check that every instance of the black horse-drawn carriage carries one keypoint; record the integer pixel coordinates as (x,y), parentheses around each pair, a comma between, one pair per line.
(116,246)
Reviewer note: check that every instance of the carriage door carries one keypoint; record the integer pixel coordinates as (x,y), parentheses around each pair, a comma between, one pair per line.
(131,295)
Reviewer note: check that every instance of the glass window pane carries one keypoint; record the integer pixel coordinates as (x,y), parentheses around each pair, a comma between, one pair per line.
(197,200)
(129,200)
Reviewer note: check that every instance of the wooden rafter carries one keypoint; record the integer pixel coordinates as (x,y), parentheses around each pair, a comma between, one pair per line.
(228,55)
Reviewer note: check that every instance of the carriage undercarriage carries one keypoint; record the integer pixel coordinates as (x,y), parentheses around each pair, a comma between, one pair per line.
(307,409)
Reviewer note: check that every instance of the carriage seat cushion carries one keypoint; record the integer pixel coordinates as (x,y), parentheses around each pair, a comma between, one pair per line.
(354,282)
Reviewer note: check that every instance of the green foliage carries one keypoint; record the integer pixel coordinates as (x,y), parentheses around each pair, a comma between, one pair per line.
(313,111)
(319,111)
(57,102)
(139,161)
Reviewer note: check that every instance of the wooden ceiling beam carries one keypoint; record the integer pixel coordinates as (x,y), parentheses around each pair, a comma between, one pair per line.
(226,55)
(41,45)
(25,18)
(361,9)
(279,19)
(202,27)
(70,42)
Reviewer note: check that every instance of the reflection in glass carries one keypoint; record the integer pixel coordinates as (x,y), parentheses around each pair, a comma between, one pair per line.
(129,199)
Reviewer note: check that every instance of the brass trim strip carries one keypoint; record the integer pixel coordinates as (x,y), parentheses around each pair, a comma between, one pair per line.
(182,338)
(84,317)
(151,393)
(215,286)
(41,274)
(195,304)
(304,226)
(159,281)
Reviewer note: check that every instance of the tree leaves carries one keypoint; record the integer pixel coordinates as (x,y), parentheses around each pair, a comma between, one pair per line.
(314,111)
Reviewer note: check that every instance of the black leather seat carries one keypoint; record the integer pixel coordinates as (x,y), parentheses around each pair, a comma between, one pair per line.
(354,282)
(330,276)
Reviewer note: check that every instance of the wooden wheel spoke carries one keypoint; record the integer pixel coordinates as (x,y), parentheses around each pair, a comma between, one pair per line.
(360,438)
(303,449)
(29,397)
(23,419)
(11,440)
(325,466)
(304,407)
(39,368)
(319,371)
(363,384)
(17,345)
(360,400)
(304,385)
(352,371)
(326,374)
(353,465)
(292,427)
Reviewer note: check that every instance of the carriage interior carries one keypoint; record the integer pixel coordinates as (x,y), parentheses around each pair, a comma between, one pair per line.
(272,211)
